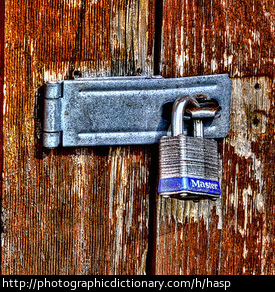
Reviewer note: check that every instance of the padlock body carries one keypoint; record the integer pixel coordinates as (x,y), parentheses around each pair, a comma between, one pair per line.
(188,167)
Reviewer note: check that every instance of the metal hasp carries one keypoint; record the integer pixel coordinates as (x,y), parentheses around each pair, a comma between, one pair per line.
(125,110)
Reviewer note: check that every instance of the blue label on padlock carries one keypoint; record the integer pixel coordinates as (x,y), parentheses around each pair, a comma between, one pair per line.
(177,184)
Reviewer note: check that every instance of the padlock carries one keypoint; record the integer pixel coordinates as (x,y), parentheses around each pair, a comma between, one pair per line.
(188,165)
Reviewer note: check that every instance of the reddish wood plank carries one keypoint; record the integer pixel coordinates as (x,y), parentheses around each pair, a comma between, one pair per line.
(249,197)
(218,36)
(2,44)
(79,210)
(234,235)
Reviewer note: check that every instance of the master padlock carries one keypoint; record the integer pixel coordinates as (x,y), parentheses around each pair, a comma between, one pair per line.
(188,165)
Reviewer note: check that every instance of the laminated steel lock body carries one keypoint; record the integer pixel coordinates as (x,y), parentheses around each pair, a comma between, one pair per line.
(188,166)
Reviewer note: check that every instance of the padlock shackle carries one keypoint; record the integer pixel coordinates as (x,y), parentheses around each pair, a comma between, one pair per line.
(178,111)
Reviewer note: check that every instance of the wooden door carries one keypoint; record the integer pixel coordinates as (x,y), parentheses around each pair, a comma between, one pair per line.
(77,210)
(95,210)
(234,235)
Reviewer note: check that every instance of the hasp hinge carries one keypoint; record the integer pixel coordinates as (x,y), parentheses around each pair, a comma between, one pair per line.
(52,114)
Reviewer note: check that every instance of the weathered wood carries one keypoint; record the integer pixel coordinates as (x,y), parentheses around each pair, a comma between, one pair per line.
(2,26)
(218,36)
(85,210)
(82,210)
(248,209)
(234,235)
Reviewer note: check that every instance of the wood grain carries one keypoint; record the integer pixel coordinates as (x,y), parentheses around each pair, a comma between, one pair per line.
(2,44)
(85,210)
(234,235)
(218,36)
(79,210)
